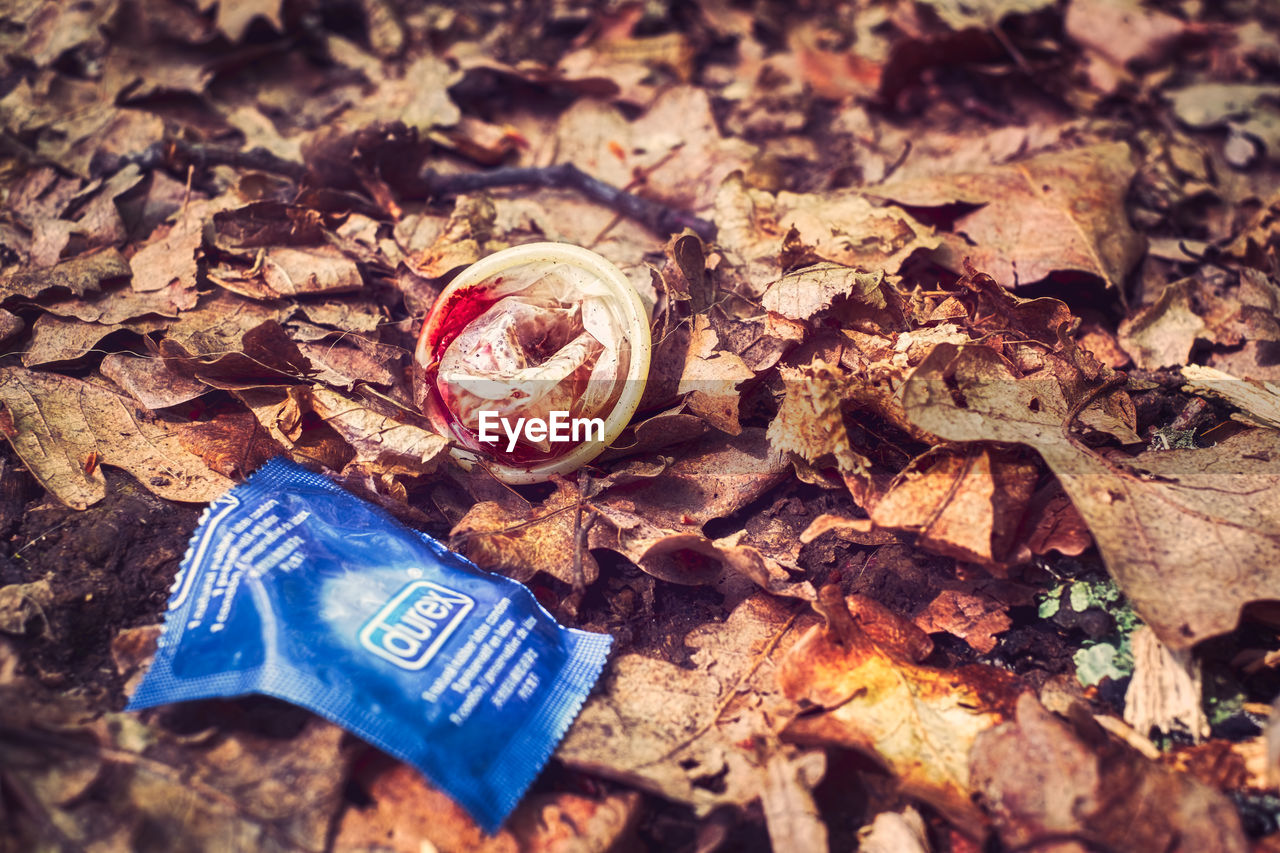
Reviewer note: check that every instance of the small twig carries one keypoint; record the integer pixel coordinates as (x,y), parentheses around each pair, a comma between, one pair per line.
(177,155)
(654,215)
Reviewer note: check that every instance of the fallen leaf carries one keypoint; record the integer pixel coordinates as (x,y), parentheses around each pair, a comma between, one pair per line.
(10,325)
(1062,210)
(54,339)
(1154,517)
(1044,782)
(81,275)
(712,377)
(801,294)
(245,788)
(919,722)
(382,445)
(172,257)
(61,420)
(407,813)
(232,444)
(1258,401)
(1162,333)
(960,504)
(149,380)
(672,730)
(844,228)
(810,423)
(283,271)
(974,618)
(520,541)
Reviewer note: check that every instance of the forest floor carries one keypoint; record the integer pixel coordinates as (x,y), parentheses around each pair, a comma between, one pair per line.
(950,520)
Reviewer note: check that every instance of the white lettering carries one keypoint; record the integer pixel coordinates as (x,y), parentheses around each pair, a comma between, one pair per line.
(488,420)
(589,424)
(512,434)
(559,426)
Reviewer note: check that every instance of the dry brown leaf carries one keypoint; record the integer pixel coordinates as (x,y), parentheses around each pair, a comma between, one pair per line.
(844,228)
(233,444)
(1165,692)
(1063,210)
(60,421)
(1116,33)
(54,339)
(119,305)
(966,505)
(1191,536)
(810,423)
(382,445)
(919,722)
(673,730)
(234,343)
(983,14)
(1044,783)
(10,325)
(711,378)
(407,813)
(801,294)
(520,541)
(1258,401)
(149,380)
(676,145)
(284,271)
(973,617)
(81,275)
(172,257)
(1162,333)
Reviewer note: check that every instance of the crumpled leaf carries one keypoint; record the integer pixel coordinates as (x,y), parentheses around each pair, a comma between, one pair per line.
(172,257)
(657,520)
(973,617)
(919,722)
(966,505)
(520,541)
(382,445)
(1257,400)
(712,378)
(64,427)
(233,444)
(80,275)
(1166,691)
(841,227)
(54,339)
(1154,517)
(408,813)
(673,730)
(284,271)
(1062,210)
(1044,783)
(803,293)
(810,423)
(150,381)
(1162,333)
(234,343)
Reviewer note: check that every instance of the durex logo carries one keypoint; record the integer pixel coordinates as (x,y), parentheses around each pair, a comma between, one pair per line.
(411,627)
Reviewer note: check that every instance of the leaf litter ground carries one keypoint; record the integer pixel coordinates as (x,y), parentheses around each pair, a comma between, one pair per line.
(947,522)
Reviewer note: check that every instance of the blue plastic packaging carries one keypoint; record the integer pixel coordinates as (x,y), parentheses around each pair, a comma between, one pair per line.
(294,588)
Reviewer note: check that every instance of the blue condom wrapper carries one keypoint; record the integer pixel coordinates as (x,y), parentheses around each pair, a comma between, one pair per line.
(295,588)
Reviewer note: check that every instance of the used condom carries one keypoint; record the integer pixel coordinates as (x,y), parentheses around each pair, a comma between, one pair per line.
(535,359)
